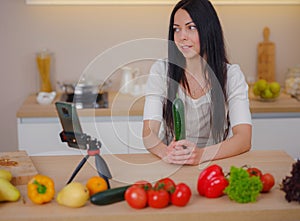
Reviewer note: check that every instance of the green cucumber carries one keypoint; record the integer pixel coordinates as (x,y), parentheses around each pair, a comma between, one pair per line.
(178,119)
(109,196)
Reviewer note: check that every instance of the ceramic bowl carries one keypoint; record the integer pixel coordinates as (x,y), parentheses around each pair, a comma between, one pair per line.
(45,97)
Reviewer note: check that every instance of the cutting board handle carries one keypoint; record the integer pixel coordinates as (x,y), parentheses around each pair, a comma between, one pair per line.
(266,34)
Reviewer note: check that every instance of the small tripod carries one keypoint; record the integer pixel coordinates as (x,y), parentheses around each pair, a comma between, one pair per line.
(93,149)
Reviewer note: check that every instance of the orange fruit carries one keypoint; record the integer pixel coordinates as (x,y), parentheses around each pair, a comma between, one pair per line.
(96,184)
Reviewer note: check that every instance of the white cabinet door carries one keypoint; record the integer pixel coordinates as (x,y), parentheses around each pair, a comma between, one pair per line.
(274,133)
(113,136)
(135,130)
(277,133)
(41,137)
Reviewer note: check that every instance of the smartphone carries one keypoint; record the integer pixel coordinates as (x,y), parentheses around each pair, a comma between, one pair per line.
(72,131)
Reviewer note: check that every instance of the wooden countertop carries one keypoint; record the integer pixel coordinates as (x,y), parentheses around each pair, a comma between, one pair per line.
(127,105)
(119,105)
(270,206)
(284,104)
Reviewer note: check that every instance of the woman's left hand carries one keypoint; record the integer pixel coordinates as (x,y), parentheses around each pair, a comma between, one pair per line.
(184,152)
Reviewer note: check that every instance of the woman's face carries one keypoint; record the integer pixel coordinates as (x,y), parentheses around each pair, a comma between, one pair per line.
(186,35)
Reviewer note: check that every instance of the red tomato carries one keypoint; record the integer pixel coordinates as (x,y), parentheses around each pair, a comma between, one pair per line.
(268,182)
(166,183)
(253,171)
(216,187)
(136,197)
(181,195)
(158,198)
(144,184)
(206,175)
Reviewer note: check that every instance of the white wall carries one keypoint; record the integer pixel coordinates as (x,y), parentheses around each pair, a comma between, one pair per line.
(77,34)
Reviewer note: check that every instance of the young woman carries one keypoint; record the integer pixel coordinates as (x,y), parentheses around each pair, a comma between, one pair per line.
(214,92)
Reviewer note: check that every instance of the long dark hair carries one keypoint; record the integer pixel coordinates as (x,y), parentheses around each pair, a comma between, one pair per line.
(212,48)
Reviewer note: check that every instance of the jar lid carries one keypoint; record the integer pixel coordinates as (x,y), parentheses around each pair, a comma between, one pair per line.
(45,53)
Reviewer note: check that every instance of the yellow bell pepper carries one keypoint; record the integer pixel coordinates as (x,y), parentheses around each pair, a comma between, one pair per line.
(40,189)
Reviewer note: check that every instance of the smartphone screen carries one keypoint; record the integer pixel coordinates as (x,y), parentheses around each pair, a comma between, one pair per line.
(70,123)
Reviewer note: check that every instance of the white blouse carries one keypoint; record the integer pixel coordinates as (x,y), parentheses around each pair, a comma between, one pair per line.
(197,110)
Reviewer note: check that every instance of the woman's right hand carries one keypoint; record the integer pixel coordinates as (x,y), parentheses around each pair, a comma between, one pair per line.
(182,152)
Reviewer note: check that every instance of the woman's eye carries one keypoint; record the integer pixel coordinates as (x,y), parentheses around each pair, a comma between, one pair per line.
(175,29)
(193,27)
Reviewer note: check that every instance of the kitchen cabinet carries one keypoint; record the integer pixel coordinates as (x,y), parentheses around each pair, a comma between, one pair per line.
(273,132)
(269,132)
(276,125)
(40,136)
(112,135)
(135,139)
(116,127)
(118,135)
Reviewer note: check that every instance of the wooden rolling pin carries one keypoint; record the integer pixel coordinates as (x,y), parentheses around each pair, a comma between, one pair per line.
(266,58)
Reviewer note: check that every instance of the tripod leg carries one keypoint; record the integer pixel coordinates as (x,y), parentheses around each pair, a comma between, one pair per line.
(101,165)
(82,162)
(106,180)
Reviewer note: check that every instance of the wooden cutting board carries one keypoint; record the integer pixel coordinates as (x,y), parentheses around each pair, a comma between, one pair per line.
(19,164)
(266,58)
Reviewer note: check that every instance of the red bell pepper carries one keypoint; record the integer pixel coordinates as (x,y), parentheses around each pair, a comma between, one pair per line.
(212,182)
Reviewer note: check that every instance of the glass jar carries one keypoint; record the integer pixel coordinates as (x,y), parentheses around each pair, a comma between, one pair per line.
(292,81)
(44,65)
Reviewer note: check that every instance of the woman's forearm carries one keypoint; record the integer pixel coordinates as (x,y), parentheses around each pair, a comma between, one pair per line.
(154,145)
(186,152)
(151,140)
(239,143)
